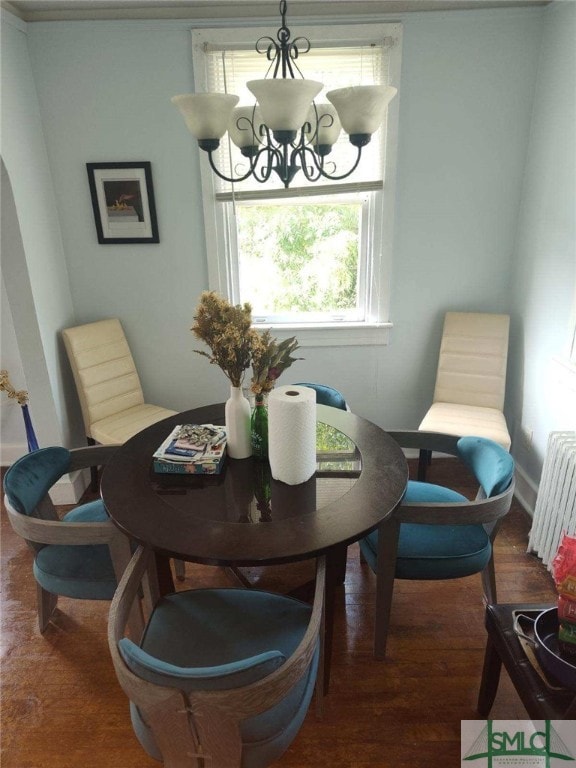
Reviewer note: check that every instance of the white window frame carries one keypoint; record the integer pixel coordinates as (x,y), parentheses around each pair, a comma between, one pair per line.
(572,342)
(220,246)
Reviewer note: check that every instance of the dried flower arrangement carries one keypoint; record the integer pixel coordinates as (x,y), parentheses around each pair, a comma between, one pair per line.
(226,329)
(234,344)
(269,360)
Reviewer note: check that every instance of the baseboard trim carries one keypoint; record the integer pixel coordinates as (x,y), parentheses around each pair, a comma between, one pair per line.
(11,452)
(526,490)
(69,489)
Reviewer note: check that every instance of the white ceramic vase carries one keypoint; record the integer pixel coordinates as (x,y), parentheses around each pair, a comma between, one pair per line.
(237,415)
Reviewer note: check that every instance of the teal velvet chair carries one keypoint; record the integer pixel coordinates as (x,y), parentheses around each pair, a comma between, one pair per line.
(219,677)
(437,533)
(326,395)
(80,556)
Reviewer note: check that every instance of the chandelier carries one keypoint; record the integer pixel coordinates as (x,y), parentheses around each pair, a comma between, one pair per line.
(286,131)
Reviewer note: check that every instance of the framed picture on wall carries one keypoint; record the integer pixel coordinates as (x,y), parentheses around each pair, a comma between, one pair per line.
(123,202)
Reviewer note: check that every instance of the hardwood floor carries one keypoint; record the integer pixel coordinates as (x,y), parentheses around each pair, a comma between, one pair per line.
(63,708)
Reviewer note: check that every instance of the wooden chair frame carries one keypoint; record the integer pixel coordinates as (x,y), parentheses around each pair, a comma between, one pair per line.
(203,727)
(485,511)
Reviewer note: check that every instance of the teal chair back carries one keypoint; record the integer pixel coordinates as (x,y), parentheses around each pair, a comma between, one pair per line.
(491,464)
(326,395)
(28,480)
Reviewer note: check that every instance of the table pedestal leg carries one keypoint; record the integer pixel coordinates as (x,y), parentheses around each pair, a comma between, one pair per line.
(165,579)
(388,533)
(335,575)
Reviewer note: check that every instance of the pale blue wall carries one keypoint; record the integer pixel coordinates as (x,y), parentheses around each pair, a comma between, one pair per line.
(544,301)
(104,90)
(33,265)
(465,103)
(466,100)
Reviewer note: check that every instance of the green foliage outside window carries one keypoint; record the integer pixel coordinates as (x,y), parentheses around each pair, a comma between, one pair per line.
(335,451)
(331,440)
(299,258)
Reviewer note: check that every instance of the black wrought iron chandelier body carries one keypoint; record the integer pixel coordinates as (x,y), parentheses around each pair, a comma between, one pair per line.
(286,131)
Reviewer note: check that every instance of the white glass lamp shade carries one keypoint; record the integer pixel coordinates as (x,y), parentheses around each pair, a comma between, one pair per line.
(240,128)
(329,128)
(284,103)
(207,115)
(361,108)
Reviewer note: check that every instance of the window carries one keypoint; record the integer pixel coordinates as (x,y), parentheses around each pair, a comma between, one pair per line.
(572,342)
(315,257)
(301,261)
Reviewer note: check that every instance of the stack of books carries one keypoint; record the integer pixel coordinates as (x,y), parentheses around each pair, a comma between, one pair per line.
(192,449)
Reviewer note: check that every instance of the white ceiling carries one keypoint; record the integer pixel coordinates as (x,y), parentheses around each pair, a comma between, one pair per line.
(60,10)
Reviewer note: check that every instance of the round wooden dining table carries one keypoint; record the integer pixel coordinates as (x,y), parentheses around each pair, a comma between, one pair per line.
(243,517)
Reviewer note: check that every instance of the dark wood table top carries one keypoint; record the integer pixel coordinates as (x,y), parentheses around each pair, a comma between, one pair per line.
(242,516)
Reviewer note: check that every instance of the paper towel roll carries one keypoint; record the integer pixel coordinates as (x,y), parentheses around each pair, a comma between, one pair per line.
(292,433)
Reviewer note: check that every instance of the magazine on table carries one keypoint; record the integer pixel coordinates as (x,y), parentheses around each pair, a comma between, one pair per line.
(192,448)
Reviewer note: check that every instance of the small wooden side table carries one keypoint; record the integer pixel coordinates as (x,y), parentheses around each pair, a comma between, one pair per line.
(542,697)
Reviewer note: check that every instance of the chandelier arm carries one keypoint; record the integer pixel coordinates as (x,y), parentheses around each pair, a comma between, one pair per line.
(229,179)
(343,175)
(272,150)
(266,170)
(302,153)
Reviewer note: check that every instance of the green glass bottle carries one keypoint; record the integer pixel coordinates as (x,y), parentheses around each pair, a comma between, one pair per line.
(259,429)
(262,477)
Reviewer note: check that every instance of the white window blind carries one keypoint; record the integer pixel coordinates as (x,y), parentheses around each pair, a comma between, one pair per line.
(228,68)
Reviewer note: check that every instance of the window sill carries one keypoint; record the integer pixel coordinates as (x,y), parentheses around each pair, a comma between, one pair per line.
(332,334)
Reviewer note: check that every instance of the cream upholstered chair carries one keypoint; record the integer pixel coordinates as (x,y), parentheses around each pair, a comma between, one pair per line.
(471,380)
(108,384)
(109,388)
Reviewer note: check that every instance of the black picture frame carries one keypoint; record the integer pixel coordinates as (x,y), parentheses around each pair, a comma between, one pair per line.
(123,202)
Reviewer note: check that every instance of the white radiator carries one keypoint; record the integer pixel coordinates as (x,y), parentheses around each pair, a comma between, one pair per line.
(555,511)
